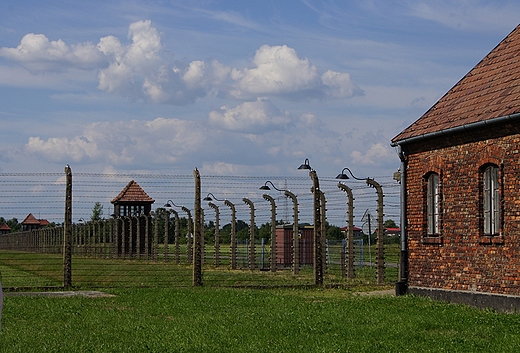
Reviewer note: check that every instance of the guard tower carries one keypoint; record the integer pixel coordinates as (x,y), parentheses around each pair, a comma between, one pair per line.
(132,201)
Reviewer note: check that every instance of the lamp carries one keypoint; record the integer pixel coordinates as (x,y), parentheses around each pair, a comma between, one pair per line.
(266,187)
(208,197)
(305,165)
(170,204)
(344,176)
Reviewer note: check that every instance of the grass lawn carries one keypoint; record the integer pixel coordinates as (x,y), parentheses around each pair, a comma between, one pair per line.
(210,319)
(36,270)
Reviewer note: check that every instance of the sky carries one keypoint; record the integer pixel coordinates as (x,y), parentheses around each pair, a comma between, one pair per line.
(229,87)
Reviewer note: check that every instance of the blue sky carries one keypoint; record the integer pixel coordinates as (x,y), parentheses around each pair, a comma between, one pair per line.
(229,87)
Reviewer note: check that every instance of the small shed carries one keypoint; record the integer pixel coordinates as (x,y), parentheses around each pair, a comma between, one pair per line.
(132,201)
(284,244)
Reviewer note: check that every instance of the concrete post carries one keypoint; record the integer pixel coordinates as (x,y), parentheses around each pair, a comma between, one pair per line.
(189,251)
(318,246)
(216,259)
(251,234)
(166,215)
(233,235)
(198,234)
(176,236)
(296,240)
(350,231)
(380,232)
(67,231)
(273,231)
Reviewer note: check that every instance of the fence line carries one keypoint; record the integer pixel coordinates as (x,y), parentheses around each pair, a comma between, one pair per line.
(156,249)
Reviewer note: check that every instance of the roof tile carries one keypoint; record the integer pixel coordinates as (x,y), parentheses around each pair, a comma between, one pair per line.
(490,90)
(133,193)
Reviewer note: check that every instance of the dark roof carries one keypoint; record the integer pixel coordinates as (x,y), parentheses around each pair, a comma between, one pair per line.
(30,219)
(490,90)
(133,193)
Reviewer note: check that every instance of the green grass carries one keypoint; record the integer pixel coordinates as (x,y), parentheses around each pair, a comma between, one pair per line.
(247,320)
(36,270)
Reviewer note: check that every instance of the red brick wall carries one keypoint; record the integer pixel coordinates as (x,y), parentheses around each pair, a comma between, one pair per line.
(462,258)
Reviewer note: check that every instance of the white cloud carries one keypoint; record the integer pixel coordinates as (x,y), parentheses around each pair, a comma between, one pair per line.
(375,155)
(278,70)
(200,74)
(121,143)
(139,70)
(339,85)
(251,117)
(37,52)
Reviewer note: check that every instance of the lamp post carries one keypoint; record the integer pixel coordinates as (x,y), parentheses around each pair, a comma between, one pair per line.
(233,246)
(380,227)
(296,242)
(317,204)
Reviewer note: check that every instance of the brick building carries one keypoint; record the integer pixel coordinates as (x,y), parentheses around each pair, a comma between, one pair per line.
(284,245)
(461,182)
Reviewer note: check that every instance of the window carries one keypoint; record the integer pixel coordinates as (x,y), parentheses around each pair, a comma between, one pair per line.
(491,201)
(433,205)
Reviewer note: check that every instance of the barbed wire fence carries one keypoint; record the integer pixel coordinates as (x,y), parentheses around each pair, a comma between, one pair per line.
(35,258)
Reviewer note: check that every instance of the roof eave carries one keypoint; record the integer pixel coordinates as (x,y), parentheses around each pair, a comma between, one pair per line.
(471,126)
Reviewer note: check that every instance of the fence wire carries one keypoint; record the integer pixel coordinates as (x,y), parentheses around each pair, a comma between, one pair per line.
(156,250)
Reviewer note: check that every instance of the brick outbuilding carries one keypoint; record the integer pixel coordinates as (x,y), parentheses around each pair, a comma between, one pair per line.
(461,188)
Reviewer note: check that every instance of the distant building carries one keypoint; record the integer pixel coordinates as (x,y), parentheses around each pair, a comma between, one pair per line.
(391,232)
(356,231)
(284,244)
(132,201)
(4,229)
(30,222)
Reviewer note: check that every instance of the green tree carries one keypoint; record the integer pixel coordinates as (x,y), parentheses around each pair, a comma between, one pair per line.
(389,223)
(97,212)
(12,223)
(334,232)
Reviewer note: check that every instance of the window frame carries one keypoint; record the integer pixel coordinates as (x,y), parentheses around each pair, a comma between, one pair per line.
(432,208)
(433,204)
(491,201)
